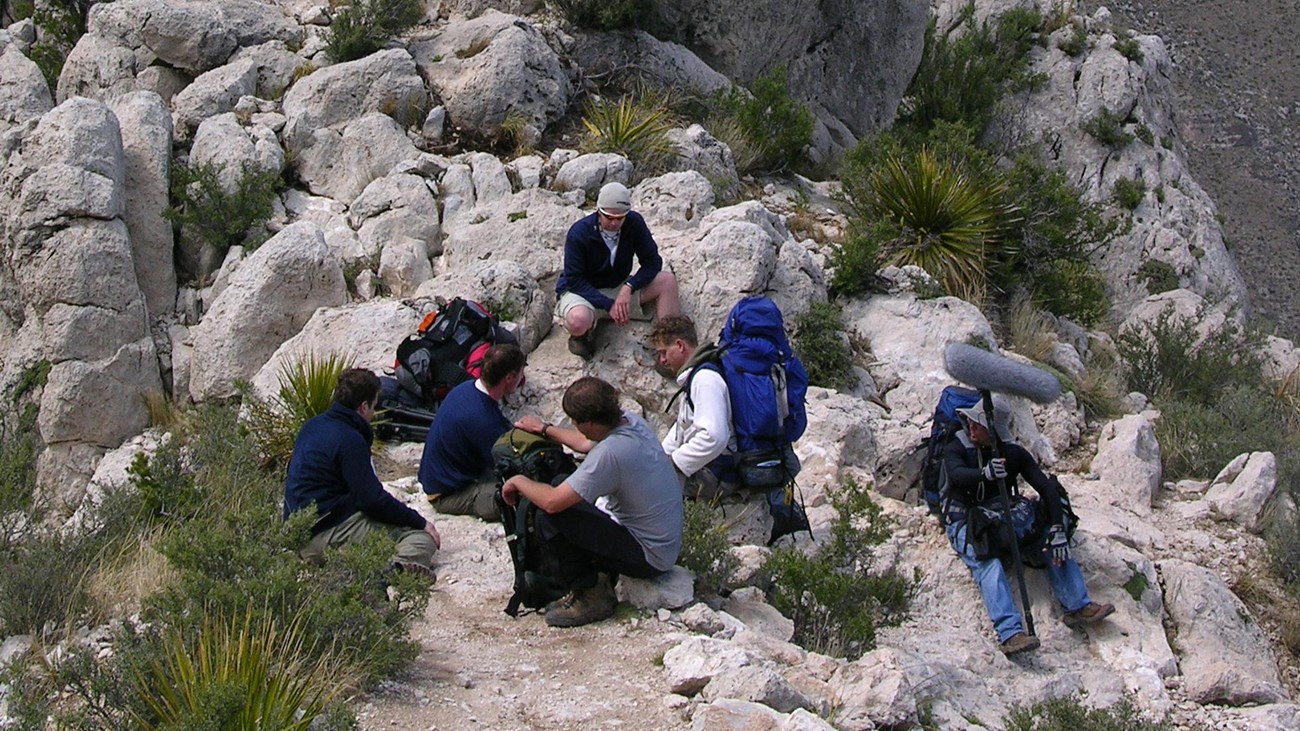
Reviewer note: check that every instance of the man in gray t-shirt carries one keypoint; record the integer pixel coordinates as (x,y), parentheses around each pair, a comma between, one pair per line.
(640,535)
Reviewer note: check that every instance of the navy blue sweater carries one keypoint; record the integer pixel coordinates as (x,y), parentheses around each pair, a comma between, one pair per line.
(331,469)
(586,259)
(458,449)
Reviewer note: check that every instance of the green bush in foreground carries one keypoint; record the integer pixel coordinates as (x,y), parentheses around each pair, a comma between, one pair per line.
(837,597)
(705,548)
(1069,714)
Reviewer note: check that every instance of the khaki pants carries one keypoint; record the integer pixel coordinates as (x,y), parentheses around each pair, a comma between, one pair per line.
(569,300)
(413,545)
(476,500)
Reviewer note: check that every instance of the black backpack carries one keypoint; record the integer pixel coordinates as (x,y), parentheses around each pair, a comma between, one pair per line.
(518,452)
(447,350)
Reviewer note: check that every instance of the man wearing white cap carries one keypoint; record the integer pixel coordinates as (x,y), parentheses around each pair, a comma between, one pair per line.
(598,280)
(973,520)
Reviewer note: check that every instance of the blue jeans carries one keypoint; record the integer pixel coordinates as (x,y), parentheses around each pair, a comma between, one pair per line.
(1066,580)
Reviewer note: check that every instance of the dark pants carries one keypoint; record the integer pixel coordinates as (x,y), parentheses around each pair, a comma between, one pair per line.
(583,541)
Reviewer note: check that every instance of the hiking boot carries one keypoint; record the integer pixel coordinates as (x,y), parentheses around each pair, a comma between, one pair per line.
(582,606)
(1018,643)
(583,346)
(415,568)
(1090,614)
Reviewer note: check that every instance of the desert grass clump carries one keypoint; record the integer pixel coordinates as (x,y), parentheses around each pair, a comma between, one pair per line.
(772,128)
(822,346)
(366,26)
(306,390)
(633,127)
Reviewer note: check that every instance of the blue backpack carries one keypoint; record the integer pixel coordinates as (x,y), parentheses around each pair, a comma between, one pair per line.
(945,423)
(767,386)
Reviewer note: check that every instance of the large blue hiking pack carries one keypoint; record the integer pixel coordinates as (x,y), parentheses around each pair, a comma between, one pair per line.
(767,386)
(943,426)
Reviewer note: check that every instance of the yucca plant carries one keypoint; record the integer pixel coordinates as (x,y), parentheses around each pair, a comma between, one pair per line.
(630,127)
(244,673)
(306,390)
(946,222)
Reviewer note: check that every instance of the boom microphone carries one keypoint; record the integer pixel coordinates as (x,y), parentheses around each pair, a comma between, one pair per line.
(987,371)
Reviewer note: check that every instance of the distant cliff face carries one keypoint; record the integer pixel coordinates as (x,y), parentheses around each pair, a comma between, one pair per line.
(851,60)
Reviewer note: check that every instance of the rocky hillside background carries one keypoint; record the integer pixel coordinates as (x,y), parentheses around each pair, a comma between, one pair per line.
(400,189)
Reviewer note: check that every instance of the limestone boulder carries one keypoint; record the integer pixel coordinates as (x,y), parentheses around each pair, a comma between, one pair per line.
(748,605)
(1128,462)
(875,692)
(146,129)
(367,335)
(839,442)
(591,171)
(224,142)
(675,202)
(213,92)
(24,94)
(672,590)
(729,714)
(272,296)
(1243,490)
(100,68)
(493,68)
(527,228)
(700,151)
(100,402)
(276,67)
(398,205)
(1225,656)
(385,82)
(340,164)
(506,286)
(756,685)
(694,662)
(671,64)
(404,265)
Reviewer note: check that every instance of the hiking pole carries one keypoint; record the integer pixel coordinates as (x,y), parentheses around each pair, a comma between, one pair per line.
(987,397)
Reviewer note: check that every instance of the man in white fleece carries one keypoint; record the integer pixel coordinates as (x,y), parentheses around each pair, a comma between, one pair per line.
(700,442)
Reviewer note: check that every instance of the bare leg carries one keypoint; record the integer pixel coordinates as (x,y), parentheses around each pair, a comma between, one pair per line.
(663,293)
(578,320)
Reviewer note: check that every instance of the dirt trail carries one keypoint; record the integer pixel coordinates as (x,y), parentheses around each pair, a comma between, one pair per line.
(480,669)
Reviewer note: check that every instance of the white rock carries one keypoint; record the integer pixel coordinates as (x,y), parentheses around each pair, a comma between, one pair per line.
(1128,462)
(757,685)
(591,171)
(404,265)
(875,691)
(692,664)
(385,82)
(672,590)
(1242,491)
(340,164)
(212,93)
(749,606)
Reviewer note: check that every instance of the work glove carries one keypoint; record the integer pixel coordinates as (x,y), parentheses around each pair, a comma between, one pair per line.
(996,469)
(1058,545)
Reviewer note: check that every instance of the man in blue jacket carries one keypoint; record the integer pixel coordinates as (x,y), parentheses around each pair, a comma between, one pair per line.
(598,280)
(331,472)
(456,467)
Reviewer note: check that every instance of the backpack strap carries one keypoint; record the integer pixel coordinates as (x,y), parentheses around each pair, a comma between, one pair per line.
(713,365)
(516,524)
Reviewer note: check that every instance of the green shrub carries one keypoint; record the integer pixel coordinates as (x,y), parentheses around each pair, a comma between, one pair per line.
(1129,192)
(1128,47)
(1166,359)
(964,75)
(203,208)
(1107,128)
(772,122)
(366,26)
(602,14)
(1197,438)
(705,548)
(1282,546)
(630,127)
(61,24)
(837,597)
(1159,276)
(820,343)
(1069,714)
(1144,133)
(1074,290)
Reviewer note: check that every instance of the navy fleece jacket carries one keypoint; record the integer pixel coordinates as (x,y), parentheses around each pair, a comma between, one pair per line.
(586,259)
(331,469)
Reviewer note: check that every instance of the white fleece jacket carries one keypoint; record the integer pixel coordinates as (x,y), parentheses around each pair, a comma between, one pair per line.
(702,434)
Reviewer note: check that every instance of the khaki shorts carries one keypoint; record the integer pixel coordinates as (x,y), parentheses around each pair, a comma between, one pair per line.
(569,300)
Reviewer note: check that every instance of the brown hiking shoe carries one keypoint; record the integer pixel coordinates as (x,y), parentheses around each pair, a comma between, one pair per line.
(1018,643)
(583,346)
(1091,613)
(582,606)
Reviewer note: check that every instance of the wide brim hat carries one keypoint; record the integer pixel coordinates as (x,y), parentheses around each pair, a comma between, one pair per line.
(1001,415)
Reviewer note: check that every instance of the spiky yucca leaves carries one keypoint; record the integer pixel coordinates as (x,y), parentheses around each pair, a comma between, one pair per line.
(633,127)
(946,222)
(248,673)
(306,389)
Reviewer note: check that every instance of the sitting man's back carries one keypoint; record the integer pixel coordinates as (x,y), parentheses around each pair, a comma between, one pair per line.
(332,473)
